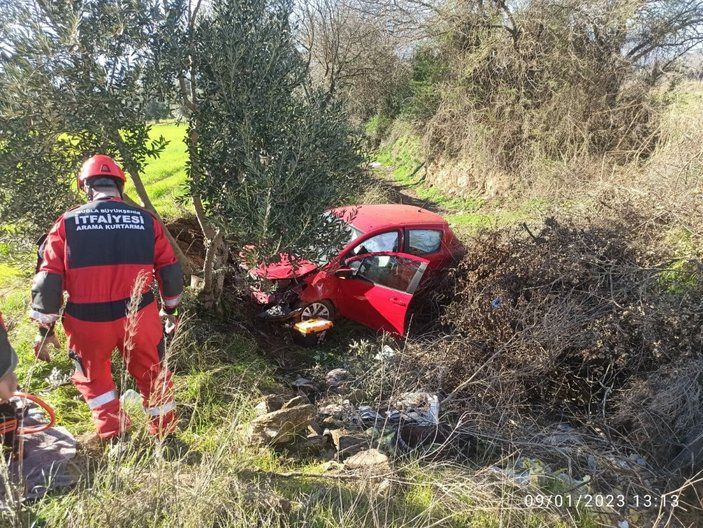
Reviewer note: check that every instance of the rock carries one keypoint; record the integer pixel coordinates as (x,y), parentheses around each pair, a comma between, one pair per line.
(298,400)
(348,443)
(335,410)
(368,459)
(281,426)
(268,404)
(336,377)
(314,429)
(332,423)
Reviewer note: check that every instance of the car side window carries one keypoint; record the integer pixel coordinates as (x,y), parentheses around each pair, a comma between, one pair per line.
(381,243)
(390,271)
(423,241)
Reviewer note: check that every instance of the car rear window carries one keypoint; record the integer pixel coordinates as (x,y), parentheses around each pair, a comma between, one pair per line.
(423,241)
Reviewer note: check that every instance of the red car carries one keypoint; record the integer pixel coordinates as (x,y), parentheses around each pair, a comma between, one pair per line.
(391,250)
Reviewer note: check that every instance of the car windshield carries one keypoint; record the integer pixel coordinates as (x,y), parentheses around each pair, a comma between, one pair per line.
(347,233)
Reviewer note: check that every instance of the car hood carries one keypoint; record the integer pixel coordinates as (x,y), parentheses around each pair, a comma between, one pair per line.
(286,268)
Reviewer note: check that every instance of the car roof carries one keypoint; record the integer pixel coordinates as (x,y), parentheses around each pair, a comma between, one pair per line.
(369,217)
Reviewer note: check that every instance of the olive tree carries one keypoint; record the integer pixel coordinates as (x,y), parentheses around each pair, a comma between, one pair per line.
(74,81)
(268,153)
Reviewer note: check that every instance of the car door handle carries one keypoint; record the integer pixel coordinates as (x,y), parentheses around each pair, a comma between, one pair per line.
(398,301)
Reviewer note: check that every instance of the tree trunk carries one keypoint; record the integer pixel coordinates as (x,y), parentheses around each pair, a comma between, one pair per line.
(205,226)
(210,294)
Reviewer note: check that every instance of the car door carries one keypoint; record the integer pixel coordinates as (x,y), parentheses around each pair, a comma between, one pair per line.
(378,287)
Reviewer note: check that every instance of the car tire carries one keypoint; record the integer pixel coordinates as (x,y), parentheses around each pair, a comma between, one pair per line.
(314,310)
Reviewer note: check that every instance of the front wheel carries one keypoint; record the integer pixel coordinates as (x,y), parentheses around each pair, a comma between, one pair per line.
(313,310)
(317,310)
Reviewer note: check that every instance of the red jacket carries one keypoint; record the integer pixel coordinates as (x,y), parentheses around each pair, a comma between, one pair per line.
(95,253)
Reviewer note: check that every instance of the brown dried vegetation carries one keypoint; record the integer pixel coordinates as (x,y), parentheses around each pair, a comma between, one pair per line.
(582,323)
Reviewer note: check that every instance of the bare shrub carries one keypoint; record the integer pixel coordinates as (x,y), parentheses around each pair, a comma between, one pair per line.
(659,411)
(566,324)
(538,83)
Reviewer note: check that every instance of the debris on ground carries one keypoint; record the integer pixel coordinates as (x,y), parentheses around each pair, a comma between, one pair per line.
(336,377)
(57,378)
(268,404)
(296,401)
(303,383)
(419,407)
(348,442)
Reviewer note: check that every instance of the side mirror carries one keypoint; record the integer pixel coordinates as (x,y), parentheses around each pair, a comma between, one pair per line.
(344,273)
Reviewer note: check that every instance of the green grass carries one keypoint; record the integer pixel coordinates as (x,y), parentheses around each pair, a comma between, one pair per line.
(403,156)
(165,176)
(9,275)
(681,274)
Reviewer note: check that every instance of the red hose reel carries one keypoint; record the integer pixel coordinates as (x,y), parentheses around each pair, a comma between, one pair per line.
(13,425)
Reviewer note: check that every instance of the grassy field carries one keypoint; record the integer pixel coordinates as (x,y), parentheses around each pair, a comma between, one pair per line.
(165,176)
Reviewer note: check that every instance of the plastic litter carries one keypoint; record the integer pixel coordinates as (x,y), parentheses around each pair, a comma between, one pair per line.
(385,353)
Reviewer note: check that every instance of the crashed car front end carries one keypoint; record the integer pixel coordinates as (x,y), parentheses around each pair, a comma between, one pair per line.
(279,298)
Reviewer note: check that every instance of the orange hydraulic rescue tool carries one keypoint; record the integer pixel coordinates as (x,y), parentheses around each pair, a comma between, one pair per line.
(10,428)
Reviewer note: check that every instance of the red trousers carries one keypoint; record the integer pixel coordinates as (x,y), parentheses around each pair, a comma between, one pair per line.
(138,342)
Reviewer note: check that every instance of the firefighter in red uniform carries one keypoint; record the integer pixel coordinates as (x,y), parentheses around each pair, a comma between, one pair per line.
(8,362)
(97,253)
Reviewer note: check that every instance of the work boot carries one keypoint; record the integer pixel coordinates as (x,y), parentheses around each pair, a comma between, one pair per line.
(171,448)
